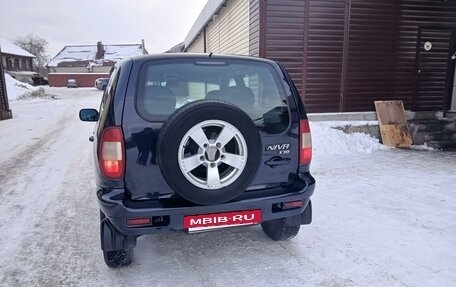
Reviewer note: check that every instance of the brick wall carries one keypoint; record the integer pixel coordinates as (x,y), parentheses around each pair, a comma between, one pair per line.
(83,80)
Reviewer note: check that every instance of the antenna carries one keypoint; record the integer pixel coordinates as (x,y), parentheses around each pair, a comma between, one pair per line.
(210,54)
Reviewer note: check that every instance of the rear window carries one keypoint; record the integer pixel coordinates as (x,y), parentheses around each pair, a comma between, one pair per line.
(165,86)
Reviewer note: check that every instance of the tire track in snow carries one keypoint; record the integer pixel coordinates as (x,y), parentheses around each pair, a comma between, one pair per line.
(70,250)
(33,189)
(29,158)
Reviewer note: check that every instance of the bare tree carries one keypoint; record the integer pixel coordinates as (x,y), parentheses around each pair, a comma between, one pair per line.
(37,46)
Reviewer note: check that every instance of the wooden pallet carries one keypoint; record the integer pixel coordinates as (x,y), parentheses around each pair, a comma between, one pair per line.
(393,124)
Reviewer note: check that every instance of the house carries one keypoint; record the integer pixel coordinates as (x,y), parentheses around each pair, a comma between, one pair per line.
(343,54)
(179,48)
(86,63)
(17,62)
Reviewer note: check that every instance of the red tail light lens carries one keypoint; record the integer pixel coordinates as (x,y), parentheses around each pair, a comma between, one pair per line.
(305,151)
(292,204)
(138,221)
(111,155)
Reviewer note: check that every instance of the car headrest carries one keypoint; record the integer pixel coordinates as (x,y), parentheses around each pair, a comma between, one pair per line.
(242,97)
(159,100)
(214,95)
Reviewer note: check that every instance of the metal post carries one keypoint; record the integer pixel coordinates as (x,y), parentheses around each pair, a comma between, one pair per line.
(5,112)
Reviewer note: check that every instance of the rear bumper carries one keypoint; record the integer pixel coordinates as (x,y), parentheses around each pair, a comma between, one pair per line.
(112,204)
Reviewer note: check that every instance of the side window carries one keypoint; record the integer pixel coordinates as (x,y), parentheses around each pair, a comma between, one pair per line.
(107,95)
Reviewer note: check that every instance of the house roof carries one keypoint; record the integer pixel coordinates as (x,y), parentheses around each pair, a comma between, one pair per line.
(211,9)
(88,53)
(9,48)
(177,48)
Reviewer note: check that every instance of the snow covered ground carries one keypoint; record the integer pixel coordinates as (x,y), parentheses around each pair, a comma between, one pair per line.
(382,217)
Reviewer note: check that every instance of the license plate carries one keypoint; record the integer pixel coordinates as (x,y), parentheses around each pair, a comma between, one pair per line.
(204,222)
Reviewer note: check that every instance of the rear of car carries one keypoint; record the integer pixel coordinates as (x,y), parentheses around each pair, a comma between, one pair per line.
(72,83)
(198,142)
(101,83)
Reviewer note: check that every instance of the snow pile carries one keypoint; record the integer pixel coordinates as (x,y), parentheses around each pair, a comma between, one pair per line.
(329,141)
(16,89)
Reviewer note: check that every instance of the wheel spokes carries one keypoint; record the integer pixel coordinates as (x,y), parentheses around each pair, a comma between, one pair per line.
(206,161)
(213,177)
(225,136)
(234,160)
(199,137)
(192,162)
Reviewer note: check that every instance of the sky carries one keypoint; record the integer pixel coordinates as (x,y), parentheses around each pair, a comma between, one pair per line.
(161,23)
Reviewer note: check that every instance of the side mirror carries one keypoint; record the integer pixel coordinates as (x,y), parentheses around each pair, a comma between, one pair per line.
(104,87)
(88,115)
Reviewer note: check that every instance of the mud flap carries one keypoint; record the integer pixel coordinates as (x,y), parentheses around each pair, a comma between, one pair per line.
(112,239)
(301,219)
(306,216)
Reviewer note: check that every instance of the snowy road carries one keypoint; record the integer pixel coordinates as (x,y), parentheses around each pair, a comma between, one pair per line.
(386,218)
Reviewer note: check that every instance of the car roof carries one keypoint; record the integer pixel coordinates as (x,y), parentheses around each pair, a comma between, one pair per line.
(164,56)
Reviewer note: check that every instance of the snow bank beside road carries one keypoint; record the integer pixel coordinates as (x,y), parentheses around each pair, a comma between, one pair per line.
(16,89)
(329,141)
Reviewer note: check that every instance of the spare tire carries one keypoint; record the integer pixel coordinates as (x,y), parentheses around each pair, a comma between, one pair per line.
(209,151)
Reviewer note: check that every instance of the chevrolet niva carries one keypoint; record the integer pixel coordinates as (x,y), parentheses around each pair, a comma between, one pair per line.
(194,142)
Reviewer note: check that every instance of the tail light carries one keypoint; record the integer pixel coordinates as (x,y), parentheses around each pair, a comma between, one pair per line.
(111,155)
(292,204)
(138,221)
(305,151)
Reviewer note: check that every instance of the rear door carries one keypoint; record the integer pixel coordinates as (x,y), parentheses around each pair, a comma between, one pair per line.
(189,79)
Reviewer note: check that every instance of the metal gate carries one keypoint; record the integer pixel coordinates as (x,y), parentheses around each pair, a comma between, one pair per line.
(434,68)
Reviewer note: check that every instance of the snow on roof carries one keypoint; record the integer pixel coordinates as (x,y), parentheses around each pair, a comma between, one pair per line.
(73,54)
(119,52)
(88,53)
(9,48)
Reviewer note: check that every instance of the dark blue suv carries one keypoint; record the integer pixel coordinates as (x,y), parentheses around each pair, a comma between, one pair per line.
(194,142)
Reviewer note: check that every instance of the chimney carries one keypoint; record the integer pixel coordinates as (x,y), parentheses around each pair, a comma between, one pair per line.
(100,51)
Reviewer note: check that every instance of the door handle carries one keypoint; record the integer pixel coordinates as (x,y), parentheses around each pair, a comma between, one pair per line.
(277,160)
